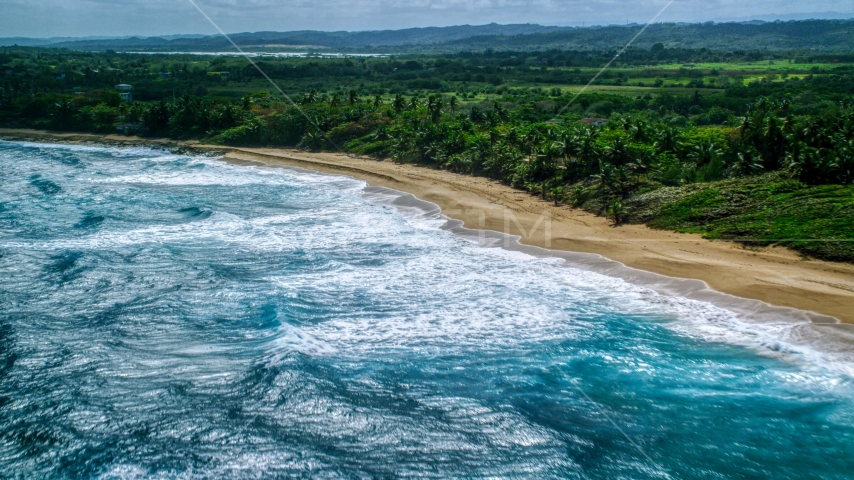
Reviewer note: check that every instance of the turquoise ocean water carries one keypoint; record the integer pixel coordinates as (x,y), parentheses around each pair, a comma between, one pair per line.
(171,316)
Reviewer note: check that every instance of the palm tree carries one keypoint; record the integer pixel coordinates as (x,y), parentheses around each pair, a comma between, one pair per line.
(616,211)
(543,164)
(227,118)
(500,111)
(309,97)
(704,152)
(381,133)
(434,106)
(156,117)
(775,141)
(476,115)
(618,152)
(558,194)
(190,115)
(459,163)
(843,145)
(378,101)
(588,149)
(503,158)
(398,103)
(637,132)
(813,165)
(568,146)
(452,104)
(480,147)
(668,140)
(577,195)
(400,148)
(762,105)
(529,141)
(352,97)
(641,163)
(335,101)
(63,114)
(812,132)
(453,140)
(745,128)
(747,163)
(794,158)
(626,124)
(606,178)
(313,140)
(788,126)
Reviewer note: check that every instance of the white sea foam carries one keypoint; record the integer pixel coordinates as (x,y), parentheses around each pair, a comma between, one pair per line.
(124,472)
(130,151)
(290,339)
(207,172)
(203,178)
(788,339)
(790,336)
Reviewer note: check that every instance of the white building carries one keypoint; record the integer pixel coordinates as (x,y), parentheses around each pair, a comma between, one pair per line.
(125,92)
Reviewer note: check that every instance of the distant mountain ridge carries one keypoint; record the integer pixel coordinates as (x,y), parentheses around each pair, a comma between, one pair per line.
(828,15)
(309,38)
(817,35)
(835,36)
(38,42)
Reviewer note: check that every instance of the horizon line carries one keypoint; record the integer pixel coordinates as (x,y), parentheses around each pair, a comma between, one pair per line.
(583,26)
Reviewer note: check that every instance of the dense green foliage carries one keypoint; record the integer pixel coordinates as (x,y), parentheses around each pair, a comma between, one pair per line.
(776,137)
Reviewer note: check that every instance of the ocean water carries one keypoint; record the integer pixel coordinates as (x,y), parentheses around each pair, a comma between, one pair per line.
(169,316)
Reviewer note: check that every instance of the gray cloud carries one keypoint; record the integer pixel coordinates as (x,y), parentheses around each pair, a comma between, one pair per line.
(158,17)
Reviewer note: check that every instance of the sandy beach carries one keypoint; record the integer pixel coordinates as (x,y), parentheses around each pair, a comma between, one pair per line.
(775,275)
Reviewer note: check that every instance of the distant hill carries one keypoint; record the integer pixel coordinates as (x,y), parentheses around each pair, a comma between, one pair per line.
(815,35)
(314,39)
(795,16)
(39,42)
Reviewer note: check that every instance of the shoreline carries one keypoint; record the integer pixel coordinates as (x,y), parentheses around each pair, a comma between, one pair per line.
(764,283)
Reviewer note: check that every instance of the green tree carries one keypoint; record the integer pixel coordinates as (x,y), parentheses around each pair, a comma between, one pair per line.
(398,103)
(616,211)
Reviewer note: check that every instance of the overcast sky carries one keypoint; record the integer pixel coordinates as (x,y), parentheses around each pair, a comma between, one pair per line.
(46,18)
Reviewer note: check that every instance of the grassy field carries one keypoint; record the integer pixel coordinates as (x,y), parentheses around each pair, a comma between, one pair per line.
(815,220)
(785,65)
(673,86)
